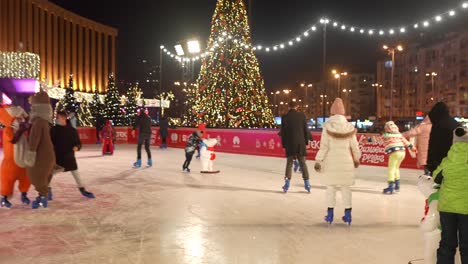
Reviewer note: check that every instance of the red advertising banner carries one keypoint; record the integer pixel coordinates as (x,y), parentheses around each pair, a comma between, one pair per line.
(250,142)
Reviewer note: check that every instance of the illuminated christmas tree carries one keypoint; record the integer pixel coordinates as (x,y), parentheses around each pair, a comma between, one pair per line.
(112,104)
(230,91)
(84,115)
(69,101)
(133,95)
(96,107)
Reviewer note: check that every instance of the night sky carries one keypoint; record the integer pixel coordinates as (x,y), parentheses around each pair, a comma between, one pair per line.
(146,24)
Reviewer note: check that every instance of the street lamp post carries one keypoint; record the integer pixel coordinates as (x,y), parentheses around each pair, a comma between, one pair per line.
(337,76)
(377,98)
(324,22)
(433,75)
(391,51)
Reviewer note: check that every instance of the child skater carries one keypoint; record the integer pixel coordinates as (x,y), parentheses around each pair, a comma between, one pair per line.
(452,174)
(107,138)
(395,147)
(66,142)
(192,144)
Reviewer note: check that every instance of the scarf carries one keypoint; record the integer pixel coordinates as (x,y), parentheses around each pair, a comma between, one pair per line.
(43,111)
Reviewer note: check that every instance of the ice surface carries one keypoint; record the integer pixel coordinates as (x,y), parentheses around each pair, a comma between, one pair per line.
(162,215)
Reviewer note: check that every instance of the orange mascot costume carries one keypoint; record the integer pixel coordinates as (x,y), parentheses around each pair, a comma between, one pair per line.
(11,117)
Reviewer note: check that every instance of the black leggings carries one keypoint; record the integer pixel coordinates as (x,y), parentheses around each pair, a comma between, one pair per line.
(144,139)
(188,159)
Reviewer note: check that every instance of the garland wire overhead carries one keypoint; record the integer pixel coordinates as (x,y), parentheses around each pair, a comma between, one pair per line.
(335,24)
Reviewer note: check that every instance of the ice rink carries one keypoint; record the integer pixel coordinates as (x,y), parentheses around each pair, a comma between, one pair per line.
(162,215)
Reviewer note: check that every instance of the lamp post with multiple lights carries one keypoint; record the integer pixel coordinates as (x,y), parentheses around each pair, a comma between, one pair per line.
(391,51)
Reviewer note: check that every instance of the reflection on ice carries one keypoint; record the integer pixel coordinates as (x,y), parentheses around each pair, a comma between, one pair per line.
(161,215)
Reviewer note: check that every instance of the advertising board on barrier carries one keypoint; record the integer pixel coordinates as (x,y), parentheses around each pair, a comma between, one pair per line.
(250,142)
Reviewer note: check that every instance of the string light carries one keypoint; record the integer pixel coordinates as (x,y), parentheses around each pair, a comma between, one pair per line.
(336,24)
(19,65)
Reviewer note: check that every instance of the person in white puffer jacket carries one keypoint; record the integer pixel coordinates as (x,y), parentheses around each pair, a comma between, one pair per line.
(337,159)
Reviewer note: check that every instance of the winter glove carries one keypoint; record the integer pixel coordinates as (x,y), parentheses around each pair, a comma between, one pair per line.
(318,167)
(356,164)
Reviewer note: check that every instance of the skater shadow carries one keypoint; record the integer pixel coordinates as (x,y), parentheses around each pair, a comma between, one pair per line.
(117,177)
(354,189)
(219,188)
(90,157)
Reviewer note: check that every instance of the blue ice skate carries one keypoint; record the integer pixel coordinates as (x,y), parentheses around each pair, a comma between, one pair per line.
(296,166)
(389,189)
(24,198)
(5,203)
(41,201)
(286,185)
(150,163)
(307,185)
(397,185)
(347,216)
(329,216)
(87,194)
(137,164)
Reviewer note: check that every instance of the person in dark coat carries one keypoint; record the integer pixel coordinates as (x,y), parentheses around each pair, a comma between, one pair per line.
(295,136)
(163,127)
(143,124)
(441,137)
(66,142)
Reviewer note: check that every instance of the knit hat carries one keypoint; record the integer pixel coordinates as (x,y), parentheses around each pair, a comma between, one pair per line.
(40,98)
(337,107)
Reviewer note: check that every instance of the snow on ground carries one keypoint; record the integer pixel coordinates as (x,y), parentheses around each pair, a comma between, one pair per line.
(162,215)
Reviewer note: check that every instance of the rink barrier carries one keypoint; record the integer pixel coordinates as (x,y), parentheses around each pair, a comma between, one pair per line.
(249,142)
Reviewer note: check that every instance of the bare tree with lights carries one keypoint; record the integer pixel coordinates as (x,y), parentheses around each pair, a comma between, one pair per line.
(230,91)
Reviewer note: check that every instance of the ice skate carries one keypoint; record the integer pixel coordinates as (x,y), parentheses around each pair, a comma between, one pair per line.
(137,164)
(85,193)
(307,185)
(347,216)
(389,189)
(329,216)
(4,203)
(50,195)
(187,170)
(41,201)
(24,199)
(296,166)
(397,186)
(150,163)
(286,185)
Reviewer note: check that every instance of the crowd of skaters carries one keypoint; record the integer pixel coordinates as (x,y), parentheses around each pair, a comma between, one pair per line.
(51,150)
(441,146)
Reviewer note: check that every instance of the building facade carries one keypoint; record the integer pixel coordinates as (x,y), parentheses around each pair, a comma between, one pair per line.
(66,43)
(356,90)
(425,74)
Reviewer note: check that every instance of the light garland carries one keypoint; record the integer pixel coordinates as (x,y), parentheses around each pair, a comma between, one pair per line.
(334,24)
(19,65)
(217,43)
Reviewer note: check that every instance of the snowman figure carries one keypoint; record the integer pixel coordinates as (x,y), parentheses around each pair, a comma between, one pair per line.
(207,155)
(430,224)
